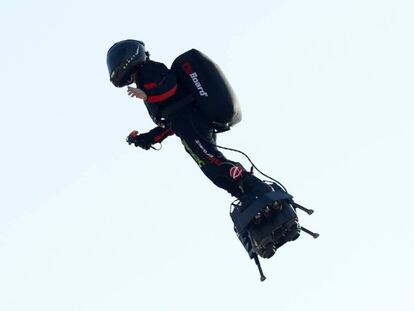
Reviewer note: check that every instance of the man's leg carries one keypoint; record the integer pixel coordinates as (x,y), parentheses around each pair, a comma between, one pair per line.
(199,141)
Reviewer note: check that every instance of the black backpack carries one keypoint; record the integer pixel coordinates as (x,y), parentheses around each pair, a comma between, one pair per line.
(207,88)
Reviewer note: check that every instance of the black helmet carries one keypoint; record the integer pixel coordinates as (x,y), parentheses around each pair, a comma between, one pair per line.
(122,60)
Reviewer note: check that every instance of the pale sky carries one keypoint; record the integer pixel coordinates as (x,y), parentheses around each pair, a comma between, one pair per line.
(90,223)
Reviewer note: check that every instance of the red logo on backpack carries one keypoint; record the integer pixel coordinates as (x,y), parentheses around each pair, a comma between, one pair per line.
(188,69)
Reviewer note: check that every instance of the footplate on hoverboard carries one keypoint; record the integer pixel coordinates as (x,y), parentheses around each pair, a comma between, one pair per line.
(274,230)
(276,226)
(265,223)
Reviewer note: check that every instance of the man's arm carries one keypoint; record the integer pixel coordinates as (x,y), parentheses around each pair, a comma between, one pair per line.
(146,140)
(159,133)
(158,83)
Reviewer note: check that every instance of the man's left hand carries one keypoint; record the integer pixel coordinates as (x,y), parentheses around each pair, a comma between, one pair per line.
(136,92)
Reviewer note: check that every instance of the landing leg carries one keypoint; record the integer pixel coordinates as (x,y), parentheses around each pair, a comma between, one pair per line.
(257,261)
(306,210)
(314,235)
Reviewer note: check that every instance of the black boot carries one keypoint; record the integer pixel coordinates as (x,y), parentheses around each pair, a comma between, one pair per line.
(252,187)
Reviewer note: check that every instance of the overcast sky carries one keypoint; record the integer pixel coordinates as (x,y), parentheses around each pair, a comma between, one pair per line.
(90,223)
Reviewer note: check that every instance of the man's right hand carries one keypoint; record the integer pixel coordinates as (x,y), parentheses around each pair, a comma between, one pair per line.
(139,140)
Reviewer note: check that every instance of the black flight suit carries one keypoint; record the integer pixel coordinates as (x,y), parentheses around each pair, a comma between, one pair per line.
(195,131)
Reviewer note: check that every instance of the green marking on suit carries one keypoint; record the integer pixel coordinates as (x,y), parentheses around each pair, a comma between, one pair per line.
(199,161)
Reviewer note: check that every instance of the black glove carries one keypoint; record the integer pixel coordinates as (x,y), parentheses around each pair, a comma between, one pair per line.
(144,141)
